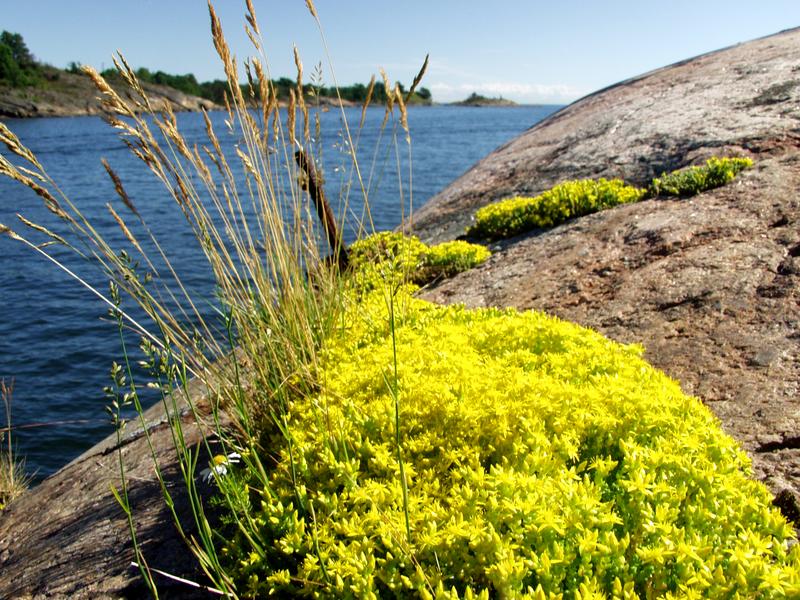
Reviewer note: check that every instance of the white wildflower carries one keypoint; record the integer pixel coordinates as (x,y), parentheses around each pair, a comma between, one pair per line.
(218,467)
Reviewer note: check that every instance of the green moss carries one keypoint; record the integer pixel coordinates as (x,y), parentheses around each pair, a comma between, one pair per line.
(541,458)
(694,180)
(564,201)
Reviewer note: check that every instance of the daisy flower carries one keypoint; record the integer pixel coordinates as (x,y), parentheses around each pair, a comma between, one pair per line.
(219,466)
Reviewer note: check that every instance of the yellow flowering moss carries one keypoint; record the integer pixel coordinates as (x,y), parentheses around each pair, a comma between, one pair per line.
(565,201)
(408,259)
(450,258)
(542,460)
(571,199)
(693,180)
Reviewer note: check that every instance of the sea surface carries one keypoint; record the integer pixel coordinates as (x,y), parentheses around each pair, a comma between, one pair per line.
(56,340)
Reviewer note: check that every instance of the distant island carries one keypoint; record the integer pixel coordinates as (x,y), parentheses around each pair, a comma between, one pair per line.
(475,99)
(29,88)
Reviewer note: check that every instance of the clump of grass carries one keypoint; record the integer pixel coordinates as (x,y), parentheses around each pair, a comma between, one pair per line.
(13,478)
(564,201)
(691,181)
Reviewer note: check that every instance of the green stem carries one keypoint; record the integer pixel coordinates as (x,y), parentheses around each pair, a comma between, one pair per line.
(395,394)
(122,498)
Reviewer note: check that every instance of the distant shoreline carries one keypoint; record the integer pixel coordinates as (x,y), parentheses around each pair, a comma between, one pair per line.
(12,108)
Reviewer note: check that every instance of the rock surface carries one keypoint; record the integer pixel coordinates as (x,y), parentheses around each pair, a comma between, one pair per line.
(70,94)
(69,538)
(744,97)
(708,285)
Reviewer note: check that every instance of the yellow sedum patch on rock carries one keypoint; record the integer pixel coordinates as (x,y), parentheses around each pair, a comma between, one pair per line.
(577,198)
(694,180)
(564,201)
(542,460)
(407,259)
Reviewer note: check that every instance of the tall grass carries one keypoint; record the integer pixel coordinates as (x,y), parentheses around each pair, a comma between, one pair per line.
(277,297)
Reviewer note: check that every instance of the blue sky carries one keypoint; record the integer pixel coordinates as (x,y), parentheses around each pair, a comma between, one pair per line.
(528,51)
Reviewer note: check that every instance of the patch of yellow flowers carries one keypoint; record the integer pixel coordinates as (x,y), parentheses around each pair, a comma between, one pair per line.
(542,461)
(564,201)
(694,180)
(577,198)
(387,256)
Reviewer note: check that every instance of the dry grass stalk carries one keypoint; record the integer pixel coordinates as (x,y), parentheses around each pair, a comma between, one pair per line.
(418,78)
(264,90)
(11,171)
(401,105)
(30,173)
(301,100)
(367,101)
(11,141)
(251,17)
(312,9)
(292,114)
(390,97)
(139,97)
(110,100)
(119,188)
(126,232)
(41,229)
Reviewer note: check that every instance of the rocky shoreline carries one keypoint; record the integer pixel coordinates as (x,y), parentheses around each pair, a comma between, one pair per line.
(73,95)
(709,286)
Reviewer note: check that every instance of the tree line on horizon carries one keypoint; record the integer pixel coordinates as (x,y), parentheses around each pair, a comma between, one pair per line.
(19,68)
(215,90)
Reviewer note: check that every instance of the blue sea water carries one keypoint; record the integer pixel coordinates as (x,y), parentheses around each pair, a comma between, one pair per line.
(56,341)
